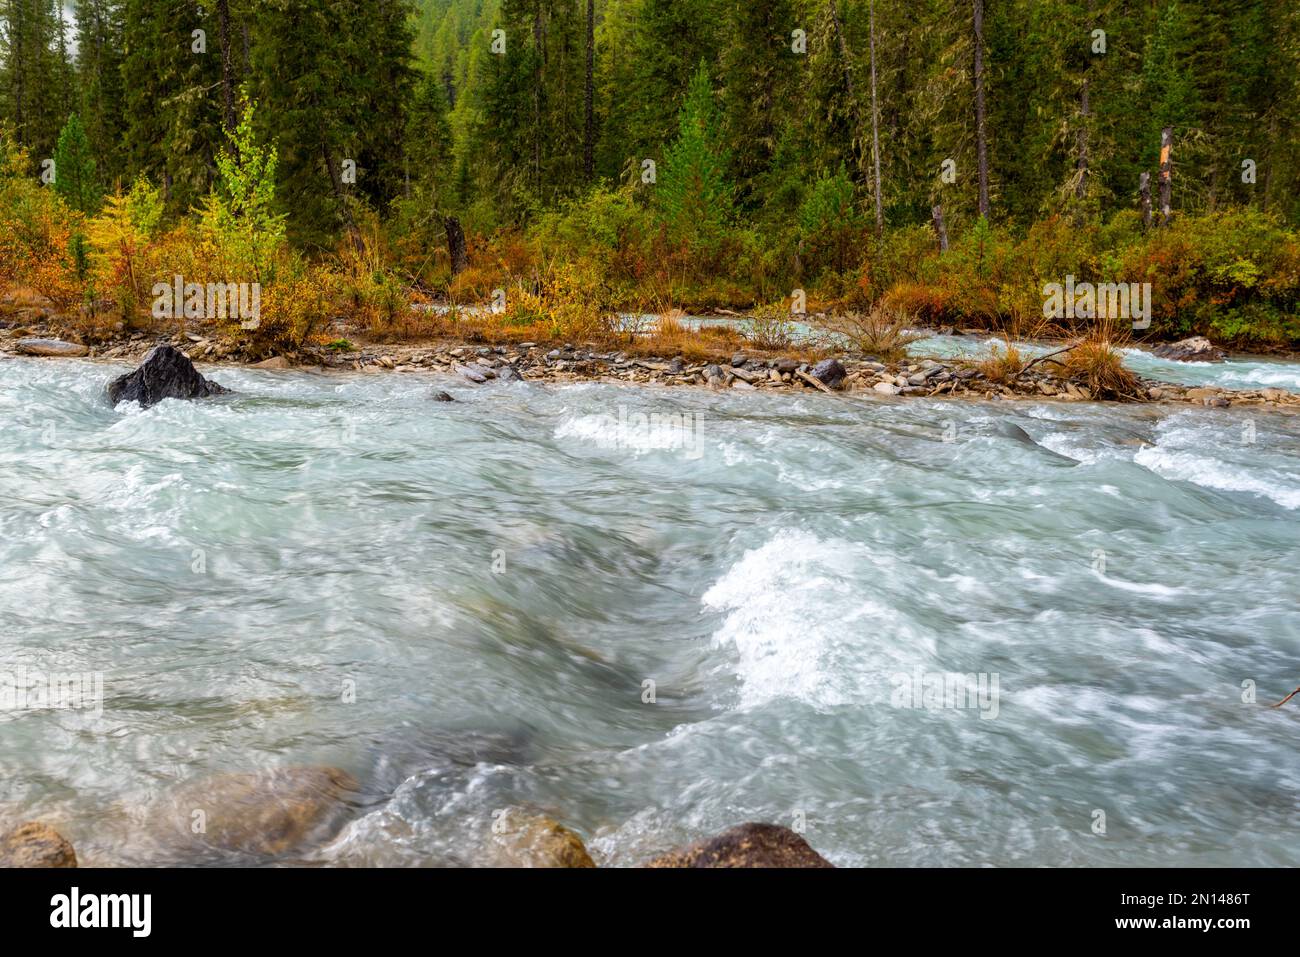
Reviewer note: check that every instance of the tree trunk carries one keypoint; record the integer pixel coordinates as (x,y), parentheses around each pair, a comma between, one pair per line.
(17,44)
(229,119)
(1166,175)
(456,245)
(1144,192)
(1081,188)
(875,123)
(589,130)
(981,139)
(939,229)
(340,198)
(538,48)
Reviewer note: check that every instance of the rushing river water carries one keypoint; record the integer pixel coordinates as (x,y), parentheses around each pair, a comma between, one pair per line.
(461,605)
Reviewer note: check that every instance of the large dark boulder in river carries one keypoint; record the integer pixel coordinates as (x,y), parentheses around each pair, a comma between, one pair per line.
(829,372)
(748,845)
(35,845)
(1195,349)
(166,373)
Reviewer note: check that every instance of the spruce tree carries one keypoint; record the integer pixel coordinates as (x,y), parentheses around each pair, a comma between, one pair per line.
(76,179)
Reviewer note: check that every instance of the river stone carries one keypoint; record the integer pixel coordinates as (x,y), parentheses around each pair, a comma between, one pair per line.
(749,845)
(275,362)
(442,397)
(35,845)
(473,373)
(787,366)
(522,839)
(264,813)
(885,388)
(165,374)
(829,372)
(1195,349)
(508,373)
(52,348)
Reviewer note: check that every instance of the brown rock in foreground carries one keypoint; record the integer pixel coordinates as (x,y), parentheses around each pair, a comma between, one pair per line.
(748,845)
(35,845)
(532,840)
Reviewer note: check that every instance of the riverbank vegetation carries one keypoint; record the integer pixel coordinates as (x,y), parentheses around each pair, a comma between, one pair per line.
(541,170)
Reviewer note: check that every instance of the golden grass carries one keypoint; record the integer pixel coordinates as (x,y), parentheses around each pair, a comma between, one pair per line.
(1097,364)
(1005,366)
(882,331)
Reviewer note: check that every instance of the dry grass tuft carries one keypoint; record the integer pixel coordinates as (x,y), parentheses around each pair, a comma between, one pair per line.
(883,331)
(770,328)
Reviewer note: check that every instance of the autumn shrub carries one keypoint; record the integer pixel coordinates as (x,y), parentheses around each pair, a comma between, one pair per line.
(36,230)
(771,327)
(121,239)
(882,331)
(565,302)
(1004,364)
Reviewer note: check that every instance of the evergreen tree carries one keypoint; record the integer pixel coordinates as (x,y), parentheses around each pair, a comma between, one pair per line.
(172,74)
(760,72)
(35,79)
(76,179)
(99,66)
(333,82)
(693,192)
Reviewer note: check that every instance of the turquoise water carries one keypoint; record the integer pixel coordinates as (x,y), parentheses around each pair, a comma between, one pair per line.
(1234,373)
(498,578)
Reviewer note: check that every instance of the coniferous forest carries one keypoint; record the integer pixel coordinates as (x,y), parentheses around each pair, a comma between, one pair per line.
(571,158)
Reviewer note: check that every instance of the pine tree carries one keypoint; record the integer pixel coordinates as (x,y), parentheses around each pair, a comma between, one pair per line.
(76,179)
(760,72)
(35,79)
(99,66)
(333,82)
(693,192)
(172,76)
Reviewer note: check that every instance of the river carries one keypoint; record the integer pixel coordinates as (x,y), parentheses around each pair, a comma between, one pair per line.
(654,629)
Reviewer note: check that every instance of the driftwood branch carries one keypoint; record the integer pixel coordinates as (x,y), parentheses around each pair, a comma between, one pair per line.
(1048,355)
(1287,698)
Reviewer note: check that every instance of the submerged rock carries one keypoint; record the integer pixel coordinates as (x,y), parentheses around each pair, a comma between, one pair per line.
(830,372)
(52,348)
(35,845)
(748,845)
(166,373)
(1195,349)
(264,813)
(442,397)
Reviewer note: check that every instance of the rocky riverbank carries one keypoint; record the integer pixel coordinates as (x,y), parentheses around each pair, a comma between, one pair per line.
(281,815)
(477,364)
